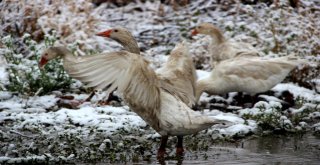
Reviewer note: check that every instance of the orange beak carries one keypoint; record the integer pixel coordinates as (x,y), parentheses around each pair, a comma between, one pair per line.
(194,32)
(104,33)
(43,62)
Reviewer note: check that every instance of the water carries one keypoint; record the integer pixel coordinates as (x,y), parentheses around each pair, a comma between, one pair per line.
(269,150)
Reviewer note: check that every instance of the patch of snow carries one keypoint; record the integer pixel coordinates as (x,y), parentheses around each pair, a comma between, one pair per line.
(304,107)
(271,98)
(5,95)
(240,129)
(297,91)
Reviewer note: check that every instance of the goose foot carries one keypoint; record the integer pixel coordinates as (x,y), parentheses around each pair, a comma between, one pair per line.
(162,149)
(161,153)
(179,149)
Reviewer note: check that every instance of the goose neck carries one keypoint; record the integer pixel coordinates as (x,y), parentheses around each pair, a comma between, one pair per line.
(217,37)
(129,44)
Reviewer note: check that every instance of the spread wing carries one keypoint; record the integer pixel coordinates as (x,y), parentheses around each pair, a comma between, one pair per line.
(125,72)
(257,68)
(178,75)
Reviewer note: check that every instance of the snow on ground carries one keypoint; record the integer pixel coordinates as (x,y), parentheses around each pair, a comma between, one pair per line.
(36,111)
(35,128)
(29,121)
(306,94)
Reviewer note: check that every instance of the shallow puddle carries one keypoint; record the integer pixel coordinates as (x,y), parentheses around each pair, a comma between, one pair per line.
(269,150)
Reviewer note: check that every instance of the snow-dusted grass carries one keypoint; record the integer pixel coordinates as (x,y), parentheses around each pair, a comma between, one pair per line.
(89,133)
(36,129)
(270,115)
(23,74)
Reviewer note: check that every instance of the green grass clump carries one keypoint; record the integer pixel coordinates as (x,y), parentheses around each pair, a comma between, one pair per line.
(24,75)
(270,118)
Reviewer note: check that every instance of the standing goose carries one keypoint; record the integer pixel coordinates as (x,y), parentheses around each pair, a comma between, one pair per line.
(142,89)
(178,74)
(222,49)
(251,75)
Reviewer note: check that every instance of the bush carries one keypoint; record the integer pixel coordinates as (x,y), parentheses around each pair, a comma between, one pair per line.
(24,75)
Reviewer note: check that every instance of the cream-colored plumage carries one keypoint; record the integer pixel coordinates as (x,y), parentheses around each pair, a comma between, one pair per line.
(178,73)
(140,86)
(162,99)
(250,75)
(222,49)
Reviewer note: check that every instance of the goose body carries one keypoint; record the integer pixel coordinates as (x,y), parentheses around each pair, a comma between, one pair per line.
(250,75)
(179,119)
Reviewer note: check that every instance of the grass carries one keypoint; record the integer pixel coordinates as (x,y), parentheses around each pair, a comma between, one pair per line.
(24,75)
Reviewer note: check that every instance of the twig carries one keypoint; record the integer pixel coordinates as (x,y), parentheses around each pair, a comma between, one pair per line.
(90,96)
(39,90)
(18,133)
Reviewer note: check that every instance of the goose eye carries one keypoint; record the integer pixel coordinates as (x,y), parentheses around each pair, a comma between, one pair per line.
(116,30)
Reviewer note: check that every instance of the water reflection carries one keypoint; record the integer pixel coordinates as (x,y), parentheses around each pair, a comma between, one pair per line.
(275,150)
(178,160)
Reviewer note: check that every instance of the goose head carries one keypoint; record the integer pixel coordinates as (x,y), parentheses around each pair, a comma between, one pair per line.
(52,53)
(209,29)
(122,36)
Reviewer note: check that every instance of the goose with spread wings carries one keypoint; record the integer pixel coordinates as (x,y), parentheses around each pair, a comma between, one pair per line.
(143,90)
(237,66)
(251,75)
